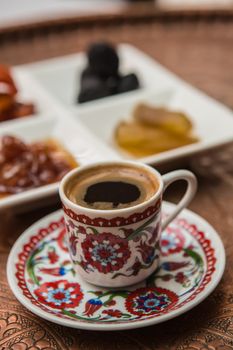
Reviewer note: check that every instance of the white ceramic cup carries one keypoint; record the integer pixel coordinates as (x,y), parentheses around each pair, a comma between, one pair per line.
(120,247)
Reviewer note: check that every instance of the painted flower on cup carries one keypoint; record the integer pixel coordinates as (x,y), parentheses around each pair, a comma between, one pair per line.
(60,294)
(147,252)
(73,240)
(135,268)
(171,242)
(150,301)
(105,252)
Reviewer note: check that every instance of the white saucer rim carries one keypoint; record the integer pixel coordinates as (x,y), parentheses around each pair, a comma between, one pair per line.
(220,267)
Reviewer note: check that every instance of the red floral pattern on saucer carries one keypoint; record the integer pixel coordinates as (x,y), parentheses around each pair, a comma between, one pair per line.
(51,286)
(60,294)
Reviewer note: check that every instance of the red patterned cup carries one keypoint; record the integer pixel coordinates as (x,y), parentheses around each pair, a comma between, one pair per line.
(120,247)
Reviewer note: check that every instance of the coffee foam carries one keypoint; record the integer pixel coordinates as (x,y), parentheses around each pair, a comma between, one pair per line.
(77,187)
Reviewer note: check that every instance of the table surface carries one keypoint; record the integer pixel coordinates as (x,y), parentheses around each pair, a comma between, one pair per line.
(200,50)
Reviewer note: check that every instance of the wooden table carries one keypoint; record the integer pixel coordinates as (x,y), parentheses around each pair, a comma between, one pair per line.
(199,48)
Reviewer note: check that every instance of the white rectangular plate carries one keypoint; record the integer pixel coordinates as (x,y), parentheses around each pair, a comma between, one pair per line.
(213,122)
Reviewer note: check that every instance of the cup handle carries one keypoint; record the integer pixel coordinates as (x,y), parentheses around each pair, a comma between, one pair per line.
(191,179)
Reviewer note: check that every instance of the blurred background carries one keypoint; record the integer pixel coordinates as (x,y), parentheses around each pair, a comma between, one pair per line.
(14,12)
(194,32)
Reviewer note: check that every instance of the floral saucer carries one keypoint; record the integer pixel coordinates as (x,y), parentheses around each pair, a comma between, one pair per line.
(42,278)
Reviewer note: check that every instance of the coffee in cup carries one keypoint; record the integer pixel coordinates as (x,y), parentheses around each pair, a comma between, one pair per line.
(110,187)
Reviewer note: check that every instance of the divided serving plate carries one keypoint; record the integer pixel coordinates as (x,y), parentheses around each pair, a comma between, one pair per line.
(86,130)
(213,122)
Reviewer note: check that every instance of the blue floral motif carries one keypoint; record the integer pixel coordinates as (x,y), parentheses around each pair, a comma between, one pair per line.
(150,301)
(65,296)
(104,253)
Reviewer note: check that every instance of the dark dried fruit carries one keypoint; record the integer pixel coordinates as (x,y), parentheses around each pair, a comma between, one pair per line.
(103,59)
(128,83)
(93,89)
(101,77)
